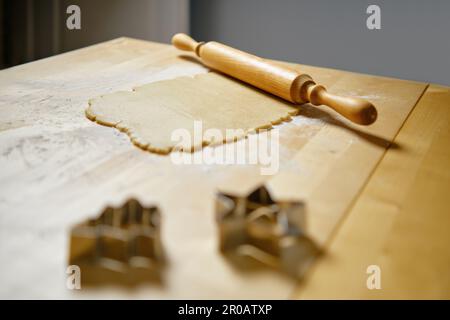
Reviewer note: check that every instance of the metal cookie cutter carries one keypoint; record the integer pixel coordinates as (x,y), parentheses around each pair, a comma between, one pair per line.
(271,232)
(121,245)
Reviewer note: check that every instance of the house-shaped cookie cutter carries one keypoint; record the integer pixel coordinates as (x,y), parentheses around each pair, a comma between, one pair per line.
(121,243)
(272,232)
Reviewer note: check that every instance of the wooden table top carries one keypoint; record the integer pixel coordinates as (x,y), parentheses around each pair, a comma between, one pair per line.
(401,219)
(371,202)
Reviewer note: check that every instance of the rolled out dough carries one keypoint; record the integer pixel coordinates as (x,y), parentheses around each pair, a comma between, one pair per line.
(150,113)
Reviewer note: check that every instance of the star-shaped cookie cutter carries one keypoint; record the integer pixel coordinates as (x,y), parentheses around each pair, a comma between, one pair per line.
(121,245)
(272,232)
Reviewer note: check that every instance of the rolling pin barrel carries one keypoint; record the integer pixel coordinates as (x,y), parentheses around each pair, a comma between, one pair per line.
(281,81)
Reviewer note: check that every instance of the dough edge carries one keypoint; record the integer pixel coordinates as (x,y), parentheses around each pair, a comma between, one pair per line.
(146,146)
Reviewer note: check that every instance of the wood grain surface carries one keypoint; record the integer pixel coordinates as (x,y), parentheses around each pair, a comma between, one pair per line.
(58,168)
(401,220)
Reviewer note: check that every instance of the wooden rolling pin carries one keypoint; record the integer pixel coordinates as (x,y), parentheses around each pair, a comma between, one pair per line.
(278,80)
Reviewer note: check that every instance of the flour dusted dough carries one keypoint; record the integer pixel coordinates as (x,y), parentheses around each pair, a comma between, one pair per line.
(150,113)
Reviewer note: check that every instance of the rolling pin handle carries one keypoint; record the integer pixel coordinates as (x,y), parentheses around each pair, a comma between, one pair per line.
(183,42)
(357,110)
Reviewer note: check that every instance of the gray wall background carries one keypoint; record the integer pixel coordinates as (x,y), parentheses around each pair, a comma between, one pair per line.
(413,43)
(35,29)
